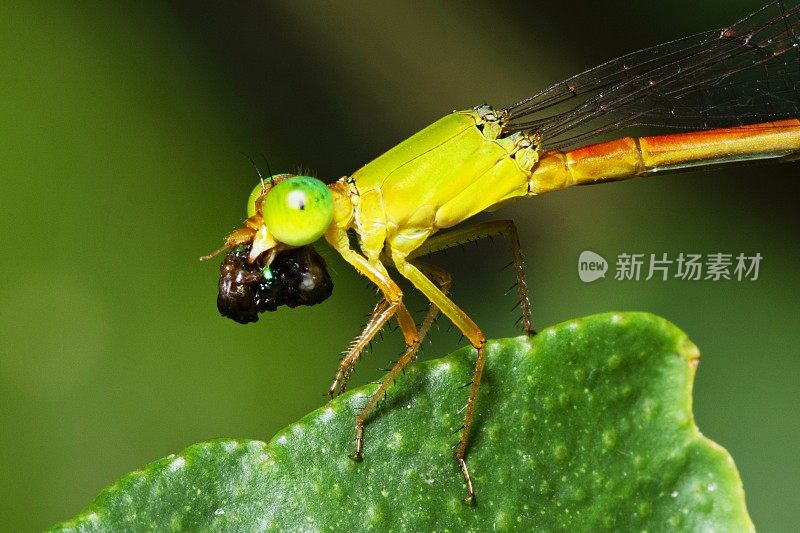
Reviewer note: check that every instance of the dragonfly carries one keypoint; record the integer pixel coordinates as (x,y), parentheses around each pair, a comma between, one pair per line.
(729,96)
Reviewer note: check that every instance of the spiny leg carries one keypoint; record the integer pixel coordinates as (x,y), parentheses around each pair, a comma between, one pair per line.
(376,272)
(377,320)
(240,236)
(444,279)
(484,230)
(409,329)
(380,315)
(476,337)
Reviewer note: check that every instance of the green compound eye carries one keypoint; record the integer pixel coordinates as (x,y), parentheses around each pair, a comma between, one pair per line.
(298,210)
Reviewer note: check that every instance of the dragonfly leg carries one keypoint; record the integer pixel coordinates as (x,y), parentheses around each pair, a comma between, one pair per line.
(485,230)
(380,315)
(444,280)
(240,236)
(409,330)
(376,272)
(378,319)
(476,337)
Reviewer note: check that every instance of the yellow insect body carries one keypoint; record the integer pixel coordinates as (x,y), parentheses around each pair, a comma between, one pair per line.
(446,173)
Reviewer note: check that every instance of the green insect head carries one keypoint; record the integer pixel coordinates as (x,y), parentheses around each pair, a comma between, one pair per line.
(291,210)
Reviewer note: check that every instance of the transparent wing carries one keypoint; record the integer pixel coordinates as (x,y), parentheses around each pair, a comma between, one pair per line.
(744,74)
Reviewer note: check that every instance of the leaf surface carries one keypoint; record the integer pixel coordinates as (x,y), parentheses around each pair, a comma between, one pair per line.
(587,426)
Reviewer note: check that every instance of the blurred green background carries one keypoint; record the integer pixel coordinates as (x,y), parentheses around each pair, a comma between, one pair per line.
(121,127)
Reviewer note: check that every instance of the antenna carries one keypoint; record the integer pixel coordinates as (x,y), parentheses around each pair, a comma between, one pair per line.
(258,171)
(266,162)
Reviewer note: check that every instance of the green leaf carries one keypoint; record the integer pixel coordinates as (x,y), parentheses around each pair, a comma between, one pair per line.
(587,426)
